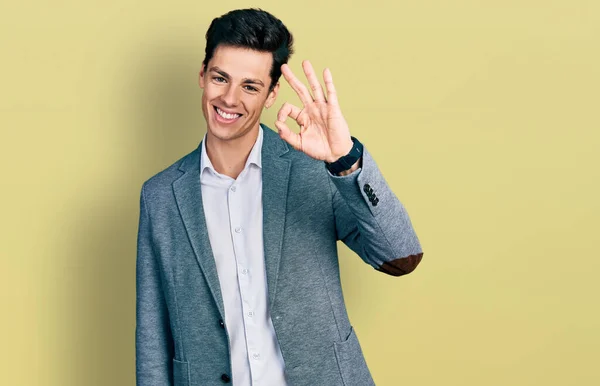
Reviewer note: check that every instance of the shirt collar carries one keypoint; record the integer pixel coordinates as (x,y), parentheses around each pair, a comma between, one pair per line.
(253,158)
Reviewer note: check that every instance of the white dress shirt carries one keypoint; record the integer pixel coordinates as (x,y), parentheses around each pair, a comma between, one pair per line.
(234,218)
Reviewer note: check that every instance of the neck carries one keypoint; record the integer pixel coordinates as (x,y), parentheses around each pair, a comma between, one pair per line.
(229,157)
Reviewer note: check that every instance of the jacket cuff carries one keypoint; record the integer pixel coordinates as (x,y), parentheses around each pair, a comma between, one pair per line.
(365,187)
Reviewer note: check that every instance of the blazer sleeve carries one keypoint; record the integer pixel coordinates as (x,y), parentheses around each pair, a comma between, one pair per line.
(153,339)
(372,222)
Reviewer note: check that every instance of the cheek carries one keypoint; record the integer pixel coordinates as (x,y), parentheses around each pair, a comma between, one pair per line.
(211,91)
(208,94)
(254,104)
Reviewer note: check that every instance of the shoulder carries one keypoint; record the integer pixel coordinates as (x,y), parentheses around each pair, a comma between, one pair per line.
(163,180)
(308,178)
(305,166)
(301,163)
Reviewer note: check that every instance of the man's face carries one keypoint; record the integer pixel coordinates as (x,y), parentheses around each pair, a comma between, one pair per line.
(236,88)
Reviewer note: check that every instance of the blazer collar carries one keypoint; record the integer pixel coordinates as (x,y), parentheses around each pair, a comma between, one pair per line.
(272,146)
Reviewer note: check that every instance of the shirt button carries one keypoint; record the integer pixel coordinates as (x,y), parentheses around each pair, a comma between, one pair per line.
(250,314)
(233,188)
(238,229)
(244,271)
(256,356)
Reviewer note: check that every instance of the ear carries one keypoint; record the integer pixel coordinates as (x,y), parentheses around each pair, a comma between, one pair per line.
(201,77)
(272,96)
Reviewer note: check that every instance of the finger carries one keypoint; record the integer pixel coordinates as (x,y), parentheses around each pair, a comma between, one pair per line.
(331,93)
(313,81)
(294,139)
(288,110)
(300,88)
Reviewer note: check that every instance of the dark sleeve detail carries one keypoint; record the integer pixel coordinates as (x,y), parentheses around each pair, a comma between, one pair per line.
(402,265)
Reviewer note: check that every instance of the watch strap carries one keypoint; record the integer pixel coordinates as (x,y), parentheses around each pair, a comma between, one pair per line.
(346,162)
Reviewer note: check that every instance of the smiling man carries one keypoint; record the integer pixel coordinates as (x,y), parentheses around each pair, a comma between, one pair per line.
(237,264)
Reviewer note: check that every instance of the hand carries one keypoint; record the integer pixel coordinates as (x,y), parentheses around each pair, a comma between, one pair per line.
(324,133)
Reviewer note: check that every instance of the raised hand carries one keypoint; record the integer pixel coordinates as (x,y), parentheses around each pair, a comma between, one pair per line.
(324,133)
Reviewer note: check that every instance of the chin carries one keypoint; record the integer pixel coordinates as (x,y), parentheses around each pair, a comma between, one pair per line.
(225,133)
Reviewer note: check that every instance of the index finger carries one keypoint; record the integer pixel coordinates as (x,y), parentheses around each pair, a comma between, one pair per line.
(300,88)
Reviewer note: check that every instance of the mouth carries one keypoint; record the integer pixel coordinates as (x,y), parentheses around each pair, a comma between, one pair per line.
(226,117)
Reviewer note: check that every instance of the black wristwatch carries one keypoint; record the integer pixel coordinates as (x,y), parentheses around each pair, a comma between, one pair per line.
(348,160)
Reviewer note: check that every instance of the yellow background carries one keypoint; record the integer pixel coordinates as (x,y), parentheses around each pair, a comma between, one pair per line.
(483,116)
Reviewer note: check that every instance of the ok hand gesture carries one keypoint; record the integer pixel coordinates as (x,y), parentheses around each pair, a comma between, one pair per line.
(324,133)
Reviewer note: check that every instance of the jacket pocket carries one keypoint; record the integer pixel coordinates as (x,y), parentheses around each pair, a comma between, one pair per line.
(181,374)
(351,362)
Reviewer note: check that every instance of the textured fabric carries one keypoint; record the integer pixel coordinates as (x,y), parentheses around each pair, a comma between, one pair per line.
(233,211)
(305,211)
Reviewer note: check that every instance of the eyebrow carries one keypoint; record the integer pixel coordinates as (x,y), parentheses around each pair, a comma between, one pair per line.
(226,76)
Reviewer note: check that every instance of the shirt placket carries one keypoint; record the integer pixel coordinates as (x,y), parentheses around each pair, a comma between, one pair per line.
(244,275)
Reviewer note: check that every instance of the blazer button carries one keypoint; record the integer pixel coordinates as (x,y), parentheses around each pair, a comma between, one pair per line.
(221,323)
(367,188)
(225,378)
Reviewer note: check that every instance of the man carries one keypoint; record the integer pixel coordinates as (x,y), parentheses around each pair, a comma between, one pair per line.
(237,266)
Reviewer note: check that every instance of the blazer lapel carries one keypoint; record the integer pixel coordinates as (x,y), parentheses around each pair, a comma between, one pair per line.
(188,195)
(275,179)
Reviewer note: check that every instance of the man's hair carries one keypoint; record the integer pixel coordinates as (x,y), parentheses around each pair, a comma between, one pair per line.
(254,29)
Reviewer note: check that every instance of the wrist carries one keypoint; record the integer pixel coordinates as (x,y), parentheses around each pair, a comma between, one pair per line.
(348,162)
(354,167)
(335,156)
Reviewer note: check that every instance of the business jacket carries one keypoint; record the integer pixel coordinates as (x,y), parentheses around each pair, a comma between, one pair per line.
(180,334)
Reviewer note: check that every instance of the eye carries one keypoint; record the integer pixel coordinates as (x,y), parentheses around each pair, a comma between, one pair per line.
(250,88)
(219,79)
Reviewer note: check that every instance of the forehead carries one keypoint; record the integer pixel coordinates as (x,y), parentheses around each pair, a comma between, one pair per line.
(242,62)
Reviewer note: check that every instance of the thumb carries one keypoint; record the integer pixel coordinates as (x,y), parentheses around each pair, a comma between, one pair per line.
(294,139)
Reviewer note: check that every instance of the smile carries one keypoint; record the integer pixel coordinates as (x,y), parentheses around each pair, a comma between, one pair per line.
(225,117)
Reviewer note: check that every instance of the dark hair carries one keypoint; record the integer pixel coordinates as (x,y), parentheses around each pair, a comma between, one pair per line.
(255,29)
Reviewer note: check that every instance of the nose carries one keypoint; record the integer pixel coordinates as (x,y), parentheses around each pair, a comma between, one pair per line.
(231,97)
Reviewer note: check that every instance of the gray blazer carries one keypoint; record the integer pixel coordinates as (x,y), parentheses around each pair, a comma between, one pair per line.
(180,335)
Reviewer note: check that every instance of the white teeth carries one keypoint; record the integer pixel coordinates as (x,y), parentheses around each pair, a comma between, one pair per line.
(227,115)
